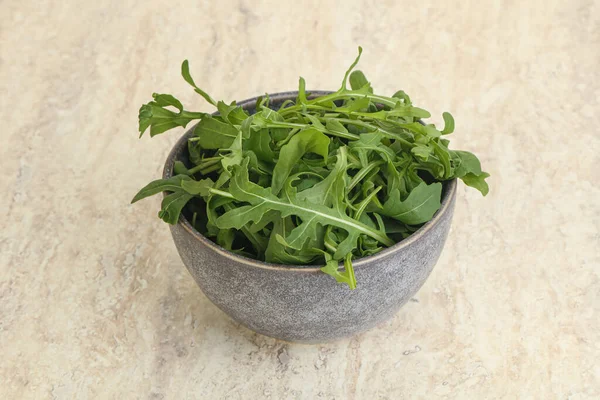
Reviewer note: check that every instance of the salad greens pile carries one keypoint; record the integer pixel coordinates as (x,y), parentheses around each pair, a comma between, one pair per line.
(325,180)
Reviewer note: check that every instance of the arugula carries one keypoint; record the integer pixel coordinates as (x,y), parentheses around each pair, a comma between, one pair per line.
(325,180)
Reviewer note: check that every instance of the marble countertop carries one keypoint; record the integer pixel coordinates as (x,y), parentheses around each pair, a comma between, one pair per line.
(94,300)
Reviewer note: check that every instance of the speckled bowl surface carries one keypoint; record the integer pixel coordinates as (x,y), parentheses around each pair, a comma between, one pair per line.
(300,303)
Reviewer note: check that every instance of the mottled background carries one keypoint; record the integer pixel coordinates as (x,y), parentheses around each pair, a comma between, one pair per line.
(94,300)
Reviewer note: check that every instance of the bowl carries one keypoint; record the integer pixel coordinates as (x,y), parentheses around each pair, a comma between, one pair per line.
(299,303)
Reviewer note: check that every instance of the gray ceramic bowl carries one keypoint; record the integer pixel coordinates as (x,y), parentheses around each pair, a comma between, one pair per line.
(300,303)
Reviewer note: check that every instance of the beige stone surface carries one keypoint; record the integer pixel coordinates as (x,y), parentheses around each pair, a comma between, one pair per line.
(94,300)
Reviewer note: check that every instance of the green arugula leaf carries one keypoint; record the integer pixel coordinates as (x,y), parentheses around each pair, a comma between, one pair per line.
(201,187)
(448,123)
(324,192)
(172,205)
(465,163)
(260,143)
(232,113)
(301,91)
(358,80)
(172,184)
(214,134)
(347,276)
(354,104)
(268,218)
(420,205)
(276,251)
(159,119)
(196,152)
(225,238)
(180,168)
(335,127)
(422,152)
(372,141)
(400,94)
(432,132)
(185,72)
(444,157)
(477,181)
(307,141)
(233,157)
(351,68)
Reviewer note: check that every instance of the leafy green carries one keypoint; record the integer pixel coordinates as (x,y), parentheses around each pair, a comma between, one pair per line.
(351,68)
(307,141)
(347,276)
(201,187)
(232,113)
(215,134)
(325,191)
(172,205)
(420,205)
(358,80)
(262,200)
(185,72)
(161,185)
(301,91)
(325,180)
(260,143)
(465,163)
(448,123)
(156,116)
(477,181)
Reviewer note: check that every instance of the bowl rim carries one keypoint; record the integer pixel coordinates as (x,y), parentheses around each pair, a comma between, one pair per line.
(448,196)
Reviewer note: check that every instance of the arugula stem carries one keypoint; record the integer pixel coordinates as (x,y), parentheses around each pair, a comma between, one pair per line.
(385,132)
(191,114)
(202,165)
(353,160)
(285,125)
(348,135)
(341,95)
(329,244)
(362,173)
(221,193)
(345,220)
(210,169)
(350,271)
(363,204)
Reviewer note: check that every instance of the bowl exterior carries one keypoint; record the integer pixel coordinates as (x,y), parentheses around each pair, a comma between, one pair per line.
(300,304)
(309,306)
